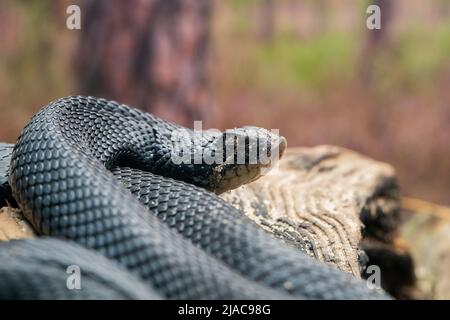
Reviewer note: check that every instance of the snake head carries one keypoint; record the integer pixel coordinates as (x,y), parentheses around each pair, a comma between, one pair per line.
(247,153)
(221,161)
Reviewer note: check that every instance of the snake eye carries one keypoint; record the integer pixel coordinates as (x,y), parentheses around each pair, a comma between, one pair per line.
(252,146)
(247,153)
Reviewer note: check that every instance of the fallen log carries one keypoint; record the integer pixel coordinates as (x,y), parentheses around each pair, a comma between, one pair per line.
(322,200)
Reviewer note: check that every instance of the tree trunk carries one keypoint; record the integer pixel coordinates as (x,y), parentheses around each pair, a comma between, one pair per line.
(149,54)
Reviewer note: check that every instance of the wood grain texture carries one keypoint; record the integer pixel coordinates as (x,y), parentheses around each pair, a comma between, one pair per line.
(321,199)
(314,200)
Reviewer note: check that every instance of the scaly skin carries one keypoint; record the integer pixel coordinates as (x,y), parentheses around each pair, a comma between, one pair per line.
(38,269)
(189,244)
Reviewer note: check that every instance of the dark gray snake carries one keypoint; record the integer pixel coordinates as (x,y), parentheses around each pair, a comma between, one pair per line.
(154,234)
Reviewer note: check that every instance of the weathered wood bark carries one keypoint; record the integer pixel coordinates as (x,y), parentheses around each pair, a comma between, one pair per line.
(316,199)
(150,54)
(338,207)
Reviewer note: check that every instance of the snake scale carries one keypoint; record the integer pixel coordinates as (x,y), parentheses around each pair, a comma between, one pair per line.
(96,181)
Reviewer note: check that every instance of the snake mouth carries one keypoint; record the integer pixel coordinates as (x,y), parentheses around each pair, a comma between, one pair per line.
(231,175)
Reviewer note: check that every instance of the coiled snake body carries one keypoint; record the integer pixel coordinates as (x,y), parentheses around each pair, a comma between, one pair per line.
(155,227)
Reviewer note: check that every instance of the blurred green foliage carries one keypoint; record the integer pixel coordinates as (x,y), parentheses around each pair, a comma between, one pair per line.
(311,64)
(423,54)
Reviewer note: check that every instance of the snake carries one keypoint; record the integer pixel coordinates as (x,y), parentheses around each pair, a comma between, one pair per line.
(98,182)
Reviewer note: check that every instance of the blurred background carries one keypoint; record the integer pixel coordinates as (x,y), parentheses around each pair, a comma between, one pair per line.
(310,68)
